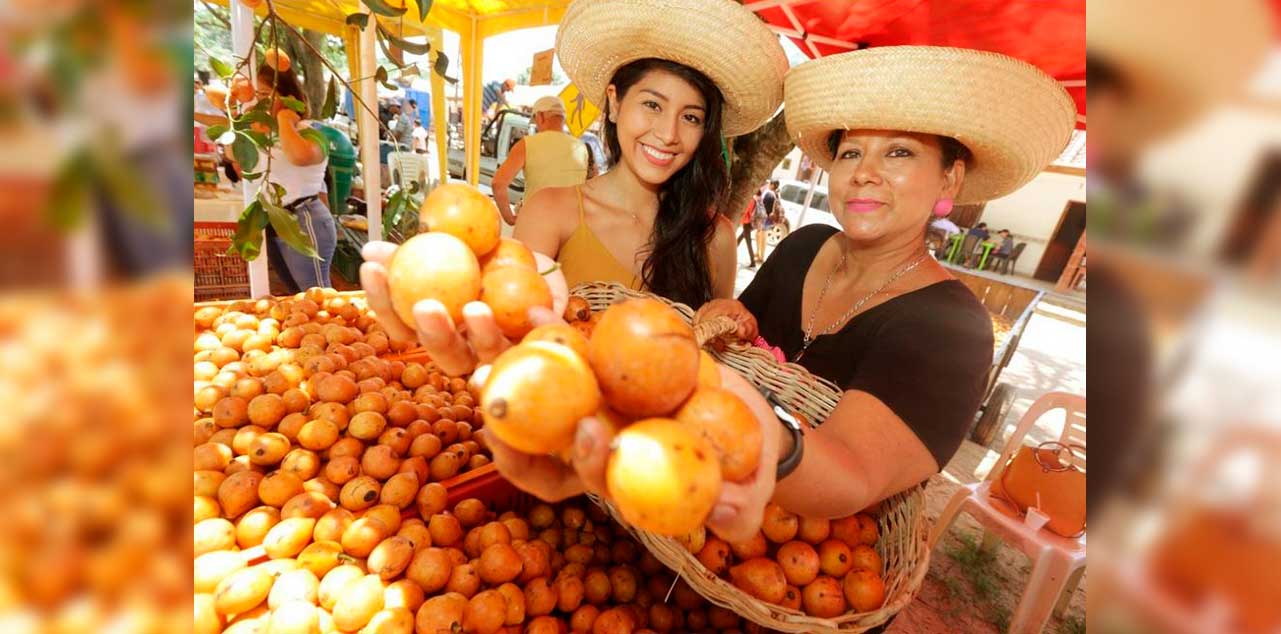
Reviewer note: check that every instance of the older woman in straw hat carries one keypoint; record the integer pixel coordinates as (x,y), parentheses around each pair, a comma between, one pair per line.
(906,133)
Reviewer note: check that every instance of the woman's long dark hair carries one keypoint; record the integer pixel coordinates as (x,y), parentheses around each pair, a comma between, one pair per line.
(286,83)
(677,266)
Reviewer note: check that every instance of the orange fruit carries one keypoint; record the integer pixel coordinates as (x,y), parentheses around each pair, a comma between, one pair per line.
(433,266)
(277,59)
(462,211)
(562,334)
(536,394)
(509,252)
(814,530)
(662,476)
(760,577)
(645,357)
(577,309)
(242,90)
(799,561)
(715,555)
(864,557)
(510,291)
(722,419)
(823,598)
(709,375)
(778,525)
(864,590)
(835,557)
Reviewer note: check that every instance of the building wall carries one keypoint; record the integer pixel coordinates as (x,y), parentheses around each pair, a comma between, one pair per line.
(1032,213)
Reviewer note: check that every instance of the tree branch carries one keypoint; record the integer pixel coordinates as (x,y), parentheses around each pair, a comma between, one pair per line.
(756,155)
(226,21)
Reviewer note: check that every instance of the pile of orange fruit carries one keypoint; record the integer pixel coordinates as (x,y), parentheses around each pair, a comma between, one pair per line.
(821,567)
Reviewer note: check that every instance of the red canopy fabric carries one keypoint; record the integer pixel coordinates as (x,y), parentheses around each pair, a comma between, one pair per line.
(1049,34)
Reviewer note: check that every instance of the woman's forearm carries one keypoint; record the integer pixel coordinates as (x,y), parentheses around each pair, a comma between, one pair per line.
(829,482)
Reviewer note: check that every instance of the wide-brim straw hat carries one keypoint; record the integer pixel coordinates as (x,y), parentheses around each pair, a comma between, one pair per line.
(719,38)
(1014,118)
(1177,59)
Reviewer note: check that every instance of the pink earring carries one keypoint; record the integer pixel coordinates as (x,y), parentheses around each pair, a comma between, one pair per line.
(943,207)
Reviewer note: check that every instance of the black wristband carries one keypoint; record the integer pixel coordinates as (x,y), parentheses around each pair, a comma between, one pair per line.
(787,464)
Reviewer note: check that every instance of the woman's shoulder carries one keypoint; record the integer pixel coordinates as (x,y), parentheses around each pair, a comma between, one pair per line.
(556,204)
(945,309)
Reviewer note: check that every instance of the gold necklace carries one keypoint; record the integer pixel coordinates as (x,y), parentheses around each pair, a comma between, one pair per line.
(808,336)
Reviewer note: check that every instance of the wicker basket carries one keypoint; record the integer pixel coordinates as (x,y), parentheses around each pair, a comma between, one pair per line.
(903,533)
(217,275)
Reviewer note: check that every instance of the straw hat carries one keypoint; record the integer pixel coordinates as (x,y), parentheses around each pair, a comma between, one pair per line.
(1178,58)
(719,38)
(1013,117)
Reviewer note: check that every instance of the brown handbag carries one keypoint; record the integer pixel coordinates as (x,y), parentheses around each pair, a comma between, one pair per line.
(1044,477)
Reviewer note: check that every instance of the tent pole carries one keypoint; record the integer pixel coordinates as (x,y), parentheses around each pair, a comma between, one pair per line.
(369,131)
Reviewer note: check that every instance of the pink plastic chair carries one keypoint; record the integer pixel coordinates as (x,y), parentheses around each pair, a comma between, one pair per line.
(1057,562)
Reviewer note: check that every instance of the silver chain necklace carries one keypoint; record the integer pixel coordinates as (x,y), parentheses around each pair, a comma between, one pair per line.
(808,336)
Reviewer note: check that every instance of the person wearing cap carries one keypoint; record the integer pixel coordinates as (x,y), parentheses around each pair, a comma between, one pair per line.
(905,133)
(671,77)
(494,96)
(550,157)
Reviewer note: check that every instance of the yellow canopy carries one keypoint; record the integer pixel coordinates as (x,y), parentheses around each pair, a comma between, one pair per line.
(473,20)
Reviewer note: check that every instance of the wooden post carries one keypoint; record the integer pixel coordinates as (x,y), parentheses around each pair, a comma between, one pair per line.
(1075,267)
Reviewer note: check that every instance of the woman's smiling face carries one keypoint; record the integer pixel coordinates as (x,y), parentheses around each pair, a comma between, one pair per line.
(660,123)
(884,183)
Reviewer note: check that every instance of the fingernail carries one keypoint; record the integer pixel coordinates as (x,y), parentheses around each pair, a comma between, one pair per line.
(722,513)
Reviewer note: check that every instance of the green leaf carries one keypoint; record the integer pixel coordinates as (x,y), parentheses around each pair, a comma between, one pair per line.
(403,44)
(245,151)
(286,226)
(223,69)
(294,104)
(259,138)
(247,241)
(317,136)
(358,20)
(69,196)
(424,7)
(441,66)
(330,108)
(251,176)
(215,131)
(382,8)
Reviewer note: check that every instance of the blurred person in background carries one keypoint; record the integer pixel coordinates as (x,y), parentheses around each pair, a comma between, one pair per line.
(299,165)
(403,127)
(549,158)
(494,97)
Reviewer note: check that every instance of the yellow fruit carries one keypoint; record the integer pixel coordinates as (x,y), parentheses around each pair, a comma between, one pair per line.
(433,266)
(562,334)
(663,477)
(465,213)
(277,59)
(535,396)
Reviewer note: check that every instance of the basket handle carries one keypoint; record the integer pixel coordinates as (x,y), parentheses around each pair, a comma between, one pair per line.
(709,329)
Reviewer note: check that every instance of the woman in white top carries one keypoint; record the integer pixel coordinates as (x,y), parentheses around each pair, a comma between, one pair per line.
(299,165)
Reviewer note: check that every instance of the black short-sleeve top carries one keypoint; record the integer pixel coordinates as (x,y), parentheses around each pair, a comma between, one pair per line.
(925,354)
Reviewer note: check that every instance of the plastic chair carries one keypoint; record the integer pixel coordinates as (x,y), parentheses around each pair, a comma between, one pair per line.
(407,167)
(1057,562)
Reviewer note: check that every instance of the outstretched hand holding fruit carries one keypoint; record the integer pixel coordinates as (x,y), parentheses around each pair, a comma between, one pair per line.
(460,290)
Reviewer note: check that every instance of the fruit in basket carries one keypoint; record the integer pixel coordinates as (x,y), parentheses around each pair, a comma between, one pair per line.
(464,212)
(864,590)
(864,557)
(577,309)
(760,577)
(715,556)
(778,525)
(535,395)
(799,561)
(835,557)
(814,530)
(755,546)
(435,266)
(722,419)
(663,477)
(510,291)
(645,357)
(709,374)
(508,252)
(358,603)
(824,598)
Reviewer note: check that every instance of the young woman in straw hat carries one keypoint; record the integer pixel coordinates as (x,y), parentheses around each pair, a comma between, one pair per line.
(905,133)
(672,77)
